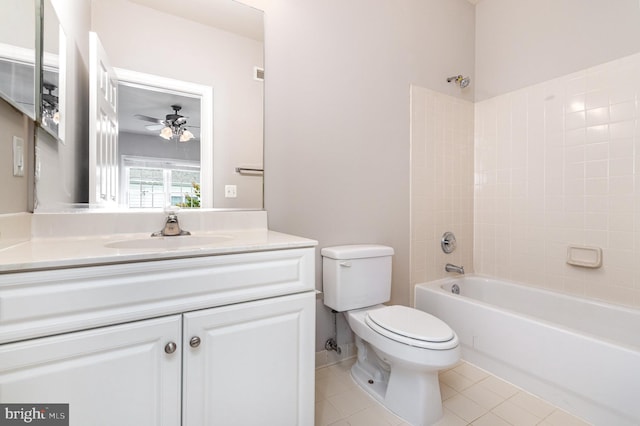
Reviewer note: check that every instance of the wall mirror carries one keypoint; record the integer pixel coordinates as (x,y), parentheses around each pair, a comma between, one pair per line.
(216,45)
(53,73)
(18,54)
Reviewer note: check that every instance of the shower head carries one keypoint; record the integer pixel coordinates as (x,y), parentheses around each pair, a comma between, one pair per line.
(460,80)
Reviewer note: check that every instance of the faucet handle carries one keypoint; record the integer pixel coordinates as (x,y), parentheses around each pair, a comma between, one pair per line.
(448,242)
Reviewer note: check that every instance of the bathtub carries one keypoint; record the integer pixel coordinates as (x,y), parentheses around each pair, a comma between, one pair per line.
(580,355)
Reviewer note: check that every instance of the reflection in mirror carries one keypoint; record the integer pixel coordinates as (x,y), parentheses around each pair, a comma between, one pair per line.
(53,73)
(158,146)
(198,42)
(60,169)
(18,54)
(192,48)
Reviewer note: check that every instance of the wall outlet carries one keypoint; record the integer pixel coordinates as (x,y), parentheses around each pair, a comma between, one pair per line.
(230,191)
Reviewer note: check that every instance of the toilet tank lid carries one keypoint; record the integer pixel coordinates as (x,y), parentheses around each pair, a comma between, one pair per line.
(356,251)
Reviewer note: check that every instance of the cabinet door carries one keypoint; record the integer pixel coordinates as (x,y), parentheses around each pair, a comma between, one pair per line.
(118,375)
(254,364)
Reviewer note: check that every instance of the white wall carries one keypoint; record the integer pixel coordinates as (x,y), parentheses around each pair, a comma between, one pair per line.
(144,40)
(338,78)
(524,42)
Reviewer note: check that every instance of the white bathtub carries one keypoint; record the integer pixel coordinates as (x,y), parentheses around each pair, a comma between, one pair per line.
(580,355)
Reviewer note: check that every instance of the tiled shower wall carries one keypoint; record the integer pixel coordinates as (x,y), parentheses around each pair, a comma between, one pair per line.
(441,182)
(558,163)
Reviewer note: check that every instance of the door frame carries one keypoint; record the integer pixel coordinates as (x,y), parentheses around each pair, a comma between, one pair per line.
(205,93)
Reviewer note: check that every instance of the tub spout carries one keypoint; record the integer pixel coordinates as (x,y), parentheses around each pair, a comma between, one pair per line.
(453,268)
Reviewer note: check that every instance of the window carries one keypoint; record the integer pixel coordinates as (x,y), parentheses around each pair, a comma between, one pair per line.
(153,183)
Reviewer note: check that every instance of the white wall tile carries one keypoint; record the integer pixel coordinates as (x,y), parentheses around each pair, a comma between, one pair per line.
(597,133)
(623,111)
(596,169)
(622,130)
(597,98)
(596,151)
(621,148)
(575,137)
(598,116)
(576,120)
(575,103)
(582,182)
(442,184)
(532,170)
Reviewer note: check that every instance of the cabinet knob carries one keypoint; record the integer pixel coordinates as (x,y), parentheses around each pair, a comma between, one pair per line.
(194,342)
(170,347)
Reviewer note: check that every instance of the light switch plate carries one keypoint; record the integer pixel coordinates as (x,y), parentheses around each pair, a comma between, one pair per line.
(18,156)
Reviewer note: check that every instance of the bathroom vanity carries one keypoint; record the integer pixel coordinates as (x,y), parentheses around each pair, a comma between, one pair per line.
(219,333)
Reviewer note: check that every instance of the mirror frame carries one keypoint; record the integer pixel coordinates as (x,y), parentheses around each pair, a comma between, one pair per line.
(39,78)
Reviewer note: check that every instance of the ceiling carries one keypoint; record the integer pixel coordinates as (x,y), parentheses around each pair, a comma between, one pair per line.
(228,15)
(134,100)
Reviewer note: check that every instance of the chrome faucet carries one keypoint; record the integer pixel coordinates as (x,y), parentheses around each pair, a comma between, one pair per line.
(453,268)
(171,226)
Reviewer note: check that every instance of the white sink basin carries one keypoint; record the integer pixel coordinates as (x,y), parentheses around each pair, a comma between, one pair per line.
(170,243)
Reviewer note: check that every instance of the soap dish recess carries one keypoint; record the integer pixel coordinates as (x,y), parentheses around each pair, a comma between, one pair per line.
(584,256)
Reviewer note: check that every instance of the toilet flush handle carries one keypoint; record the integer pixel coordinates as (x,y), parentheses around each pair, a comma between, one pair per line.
(346,264)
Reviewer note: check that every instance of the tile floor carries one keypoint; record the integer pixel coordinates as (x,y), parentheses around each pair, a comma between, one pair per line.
(470,396)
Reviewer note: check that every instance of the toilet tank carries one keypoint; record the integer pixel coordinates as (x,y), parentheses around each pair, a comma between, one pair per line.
(356,276)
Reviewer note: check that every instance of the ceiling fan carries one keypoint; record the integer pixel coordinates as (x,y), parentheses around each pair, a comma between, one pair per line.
(172,127)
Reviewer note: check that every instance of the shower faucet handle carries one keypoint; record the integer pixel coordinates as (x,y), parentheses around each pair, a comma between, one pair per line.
(448,242)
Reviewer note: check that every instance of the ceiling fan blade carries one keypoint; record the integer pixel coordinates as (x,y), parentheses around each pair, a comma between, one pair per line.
(154,127)
(147,118)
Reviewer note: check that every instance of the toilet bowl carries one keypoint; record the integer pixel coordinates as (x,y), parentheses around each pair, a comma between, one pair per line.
(400,349)
(401,371)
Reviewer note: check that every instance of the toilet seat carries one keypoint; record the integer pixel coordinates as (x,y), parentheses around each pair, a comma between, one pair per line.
(411,327)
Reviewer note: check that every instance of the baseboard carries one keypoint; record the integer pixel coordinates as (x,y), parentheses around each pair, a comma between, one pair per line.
(325,358)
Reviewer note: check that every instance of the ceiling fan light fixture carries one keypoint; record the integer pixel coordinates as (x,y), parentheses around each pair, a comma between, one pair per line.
(166,133)
(186,136)
(172,127)
(50,111)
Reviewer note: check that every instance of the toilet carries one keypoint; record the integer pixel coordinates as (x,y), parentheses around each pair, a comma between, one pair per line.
(400,349)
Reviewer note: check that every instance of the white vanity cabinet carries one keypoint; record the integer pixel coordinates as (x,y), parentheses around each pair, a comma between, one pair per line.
(117,375)
(214,340)
(249,365)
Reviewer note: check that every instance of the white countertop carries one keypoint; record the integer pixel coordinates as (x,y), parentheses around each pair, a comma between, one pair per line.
(54,253)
